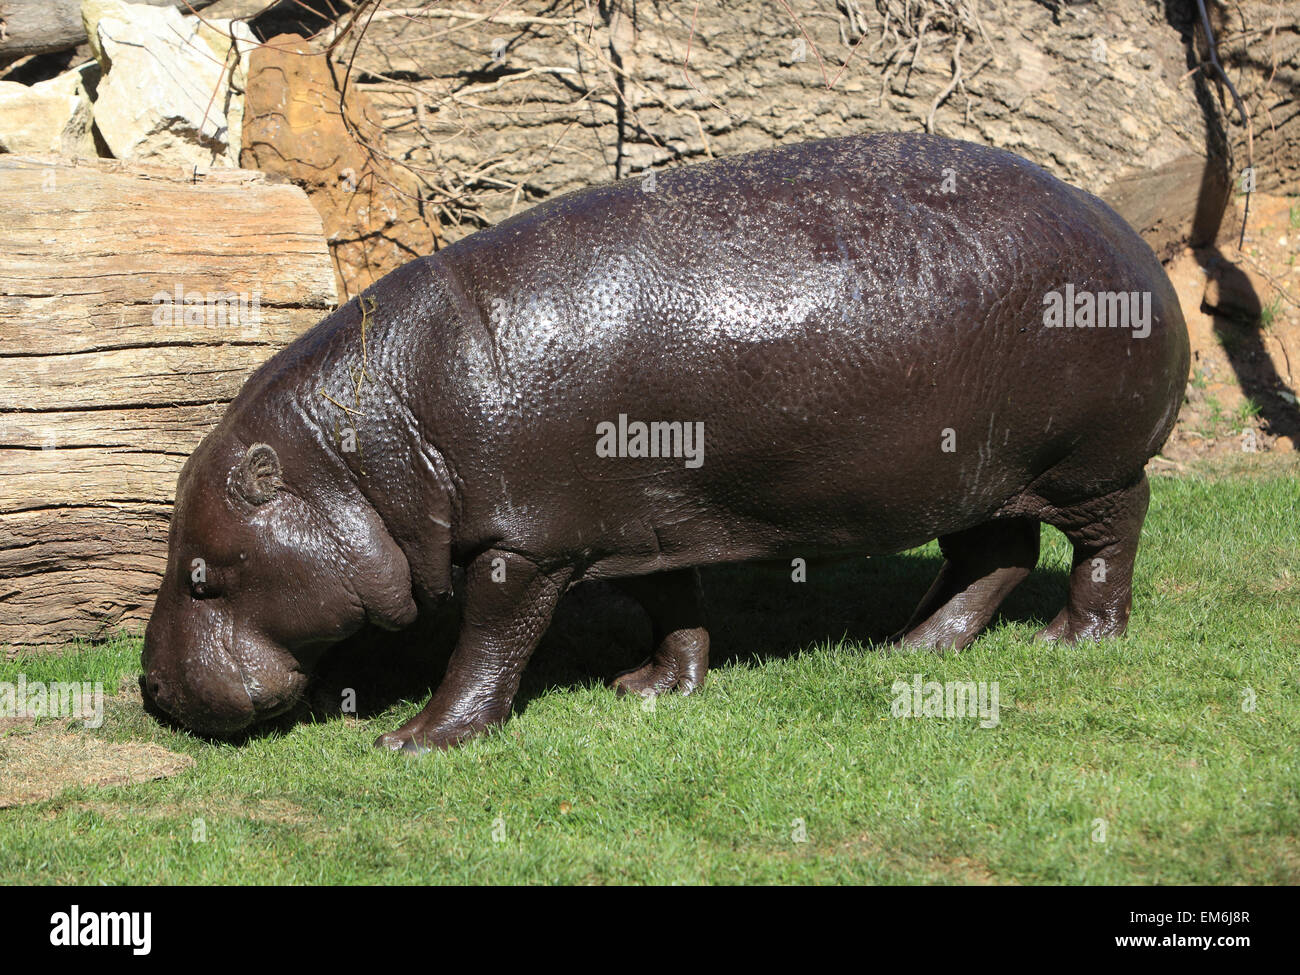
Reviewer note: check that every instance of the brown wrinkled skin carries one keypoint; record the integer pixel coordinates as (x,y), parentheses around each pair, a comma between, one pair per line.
(828,313)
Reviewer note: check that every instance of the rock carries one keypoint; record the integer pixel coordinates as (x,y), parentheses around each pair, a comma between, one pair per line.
(50,117)
(171,92)
(41,26)
(369,206)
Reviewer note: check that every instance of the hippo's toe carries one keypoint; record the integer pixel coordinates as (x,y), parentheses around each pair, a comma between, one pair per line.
(401,741)
(655,677)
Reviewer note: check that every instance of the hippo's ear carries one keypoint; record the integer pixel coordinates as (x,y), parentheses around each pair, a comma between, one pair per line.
(257,475)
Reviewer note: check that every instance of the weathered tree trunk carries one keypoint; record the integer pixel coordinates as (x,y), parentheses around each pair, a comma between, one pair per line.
(104,387)
(1259,46)
(39,26)
(547,97)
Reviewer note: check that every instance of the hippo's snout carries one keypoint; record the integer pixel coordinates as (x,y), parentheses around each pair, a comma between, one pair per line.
(216,705)
(208,687)
(216,691)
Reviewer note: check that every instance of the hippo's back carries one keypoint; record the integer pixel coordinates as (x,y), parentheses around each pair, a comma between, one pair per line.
(868,311)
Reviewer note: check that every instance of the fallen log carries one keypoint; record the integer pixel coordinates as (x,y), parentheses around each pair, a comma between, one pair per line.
(134,302)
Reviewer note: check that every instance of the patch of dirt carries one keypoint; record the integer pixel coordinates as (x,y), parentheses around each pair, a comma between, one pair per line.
(923,868)
(279,811)
(1243,317)
(41,763)
(1291,858)
(963,870)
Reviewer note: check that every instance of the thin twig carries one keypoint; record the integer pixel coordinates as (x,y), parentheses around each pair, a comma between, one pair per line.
(1245,117)
(952,85)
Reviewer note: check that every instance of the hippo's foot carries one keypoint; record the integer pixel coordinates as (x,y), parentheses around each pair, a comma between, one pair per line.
(650,679)
(419,736)
(679,664)
(983,565)
(1104,532)
(1083,626)
(1058,629)
(681,658)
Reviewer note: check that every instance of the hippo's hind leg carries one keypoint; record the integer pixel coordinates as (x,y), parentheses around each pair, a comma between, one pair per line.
(674,603)
(508,605)
(1104,532)
(983,565)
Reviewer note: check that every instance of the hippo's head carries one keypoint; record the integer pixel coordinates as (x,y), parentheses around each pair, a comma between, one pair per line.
(271,559)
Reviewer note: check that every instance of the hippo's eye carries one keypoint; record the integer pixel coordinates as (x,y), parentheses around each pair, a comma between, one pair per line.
(207,589)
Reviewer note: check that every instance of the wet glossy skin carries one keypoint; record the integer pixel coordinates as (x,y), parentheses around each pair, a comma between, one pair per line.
(866,353)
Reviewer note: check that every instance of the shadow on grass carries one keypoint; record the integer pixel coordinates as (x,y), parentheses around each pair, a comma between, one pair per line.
(755,613)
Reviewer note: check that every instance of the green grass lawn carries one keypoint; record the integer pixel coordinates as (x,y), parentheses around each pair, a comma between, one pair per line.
(1132,761)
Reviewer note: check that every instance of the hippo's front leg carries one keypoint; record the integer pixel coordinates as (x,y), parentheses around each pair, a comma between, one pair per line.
(508,605)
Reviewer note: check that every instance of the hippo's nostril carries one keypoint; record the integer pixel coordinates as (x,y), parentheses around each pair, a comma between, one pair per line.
(152,687)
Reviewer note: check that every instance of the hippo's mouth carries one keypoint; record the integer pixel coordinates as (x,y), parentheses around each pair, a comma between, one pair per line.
(201,721)
(209,723)
(267,705)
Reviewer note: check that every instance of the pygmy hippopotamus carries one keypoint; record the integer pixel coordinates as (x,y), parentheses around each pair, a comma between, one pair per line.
(850,346)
